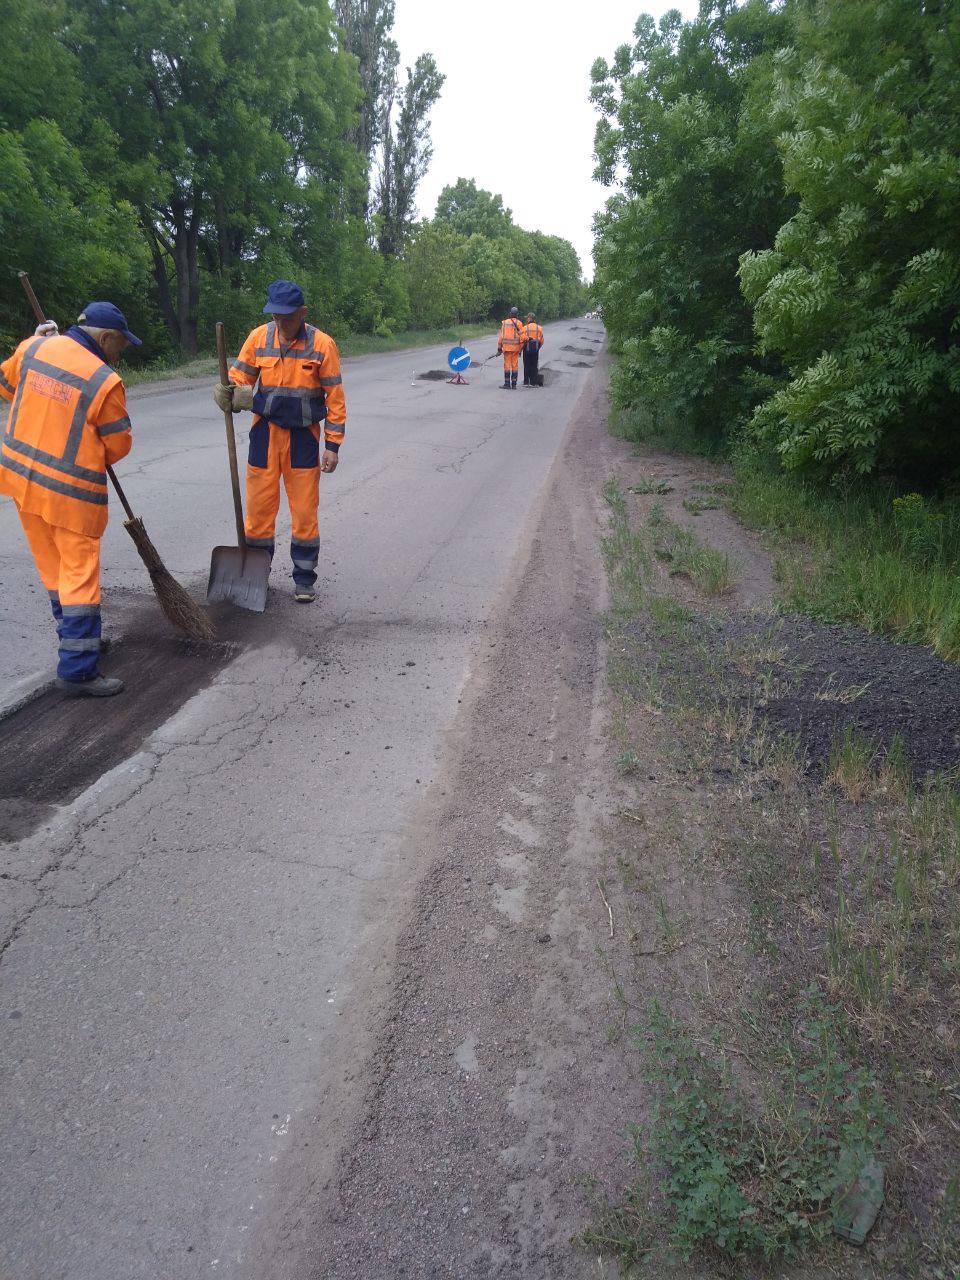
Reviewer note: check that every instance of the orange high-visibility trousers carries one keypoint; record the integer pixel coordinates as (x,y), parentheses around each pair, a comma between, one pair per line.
(69,567)
(510,361)
(294,456)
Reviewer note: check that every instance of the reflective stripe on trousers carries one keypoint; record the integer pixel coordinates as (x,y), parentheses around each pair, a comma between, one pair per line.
(294,457)
(69,566)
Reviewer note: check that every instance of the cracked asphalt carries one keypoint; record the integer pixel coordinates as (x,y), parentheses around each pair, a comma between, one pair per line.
(202,884)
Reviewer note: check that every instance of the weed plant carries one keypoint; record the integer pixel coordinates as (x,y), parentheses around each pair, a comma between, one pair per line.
(889,563)
(740,1183)
(685,556)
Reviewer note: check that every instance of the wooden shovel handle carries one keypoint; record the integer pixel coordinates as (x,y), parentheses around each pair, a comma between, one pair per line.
(231,438)
(31,297)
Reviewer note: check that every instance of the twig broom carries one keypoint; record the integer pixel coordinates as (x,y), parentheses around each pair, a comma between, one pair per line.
(181,610)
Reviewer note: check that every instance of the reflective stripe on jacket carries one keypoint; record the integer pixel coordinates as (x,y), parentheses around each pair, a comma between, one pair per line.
(511,334)
(296,385)
(532,337)
(68,421)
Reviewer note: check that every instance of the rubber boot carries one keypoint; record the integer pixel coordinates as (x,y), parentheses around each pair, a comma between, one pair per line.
(513,381)
(506,382)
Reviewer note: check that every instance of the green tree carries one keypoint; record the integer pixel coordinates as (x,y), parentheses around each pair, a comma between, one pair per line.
(700,184)
(58,221)
(860,293)
(227,113)
(436,275)
(469,210)
(407,152)
(366,26)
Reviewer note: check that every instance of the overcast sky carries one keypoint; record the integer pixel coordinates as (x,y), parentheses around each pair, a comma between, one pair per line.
(515,113)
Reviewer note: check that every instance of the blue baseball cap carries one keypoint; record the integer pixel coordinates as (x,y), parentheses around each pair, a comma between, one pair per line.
(283,297)
(106,315)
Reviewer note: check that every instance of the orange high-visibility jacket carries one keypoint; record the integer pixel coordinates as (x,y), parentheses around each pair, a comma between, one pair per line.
(511,334)
(533,333)
(297,385)
(68,421)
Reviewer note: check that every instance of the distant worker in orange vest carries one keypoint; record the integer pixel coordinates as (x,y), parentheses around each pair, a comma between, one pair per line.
(532,345)
(68,422)
(509,344)
(288,374)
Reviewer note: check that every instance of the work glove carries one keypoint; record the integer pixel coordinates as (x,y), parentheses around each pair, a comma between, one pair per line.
(499,351)
(233,398)
(46,330)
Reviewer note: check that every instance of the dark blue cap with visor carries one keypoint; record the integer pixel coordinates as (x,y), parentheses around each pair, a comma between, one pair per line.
(106,315)
(283,298)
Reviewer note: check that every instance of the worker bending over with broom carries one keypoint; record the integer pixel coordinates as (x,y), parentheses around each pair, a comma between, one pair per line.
(67,424)
(288,374)
(509,343)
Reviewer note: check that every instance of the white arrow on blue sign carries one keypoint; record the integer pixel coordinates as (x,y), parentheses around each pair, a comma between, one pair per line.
(458,358)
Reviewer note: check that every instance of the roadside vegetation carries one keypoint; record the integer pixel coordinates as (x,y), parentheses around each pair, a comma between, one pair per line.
(779,277)
(873,554)
(193,152)
(790,901)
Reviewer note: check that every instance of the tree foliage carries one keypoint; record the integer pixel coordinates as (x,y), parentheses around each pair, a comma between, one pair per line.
(781,257)
(406,152)
(860,293)
(366,27)
(700,183)
(176,156)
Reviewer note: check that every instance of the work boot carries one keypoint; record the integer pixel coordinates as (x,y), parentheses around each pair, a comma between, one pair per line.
(506,384)
(513,382)
(305,595)
(99,687)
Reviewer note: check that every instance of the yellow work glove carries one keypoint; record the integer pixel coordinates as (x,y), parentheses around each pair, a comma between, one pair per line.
(234,398)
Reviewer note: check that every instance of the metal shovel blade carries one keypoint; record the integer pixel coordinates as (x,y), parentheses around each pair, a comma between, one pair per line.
(240,576)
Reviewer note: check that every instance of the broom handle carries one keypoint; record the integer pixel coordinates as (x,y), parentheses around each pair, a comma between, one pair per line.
(231,438)
(41,319)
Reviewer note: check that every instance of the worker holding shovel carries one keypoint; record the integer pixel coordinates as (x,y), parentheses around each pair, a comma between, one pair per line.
(68,423)
(288,374)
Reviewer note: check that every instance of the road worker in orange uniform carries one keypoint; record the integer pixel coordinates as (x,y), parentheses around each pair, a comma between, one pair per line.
(509,345)
(532,345)
(67,422)
(288,374)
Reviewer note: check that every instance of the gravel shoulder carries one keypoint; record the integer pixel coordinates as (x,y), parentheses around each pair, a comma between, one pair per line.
(479,1121)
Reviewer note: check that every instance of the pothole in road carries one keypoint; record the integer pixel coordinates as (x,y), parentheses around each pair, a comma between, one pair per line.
(434,375)
(580,351)
(56,745)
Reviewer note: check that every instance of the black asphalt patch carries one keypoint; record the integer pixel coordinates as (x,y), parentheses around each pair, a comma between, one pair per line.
(434,375)
(580,351)
(841,677)
(56,745)
(821,681)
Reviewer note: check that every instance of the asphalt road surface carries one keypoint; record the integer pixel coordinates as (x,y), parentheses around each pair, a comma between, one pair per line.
(204,881)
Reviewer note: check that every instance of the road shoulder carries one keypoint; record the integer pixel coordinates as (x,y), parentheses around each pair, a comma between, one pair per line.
(478,1129)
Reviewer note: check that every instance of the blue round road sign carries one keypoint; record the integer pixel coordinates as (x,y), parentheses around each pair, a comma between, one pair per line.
(458,358)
